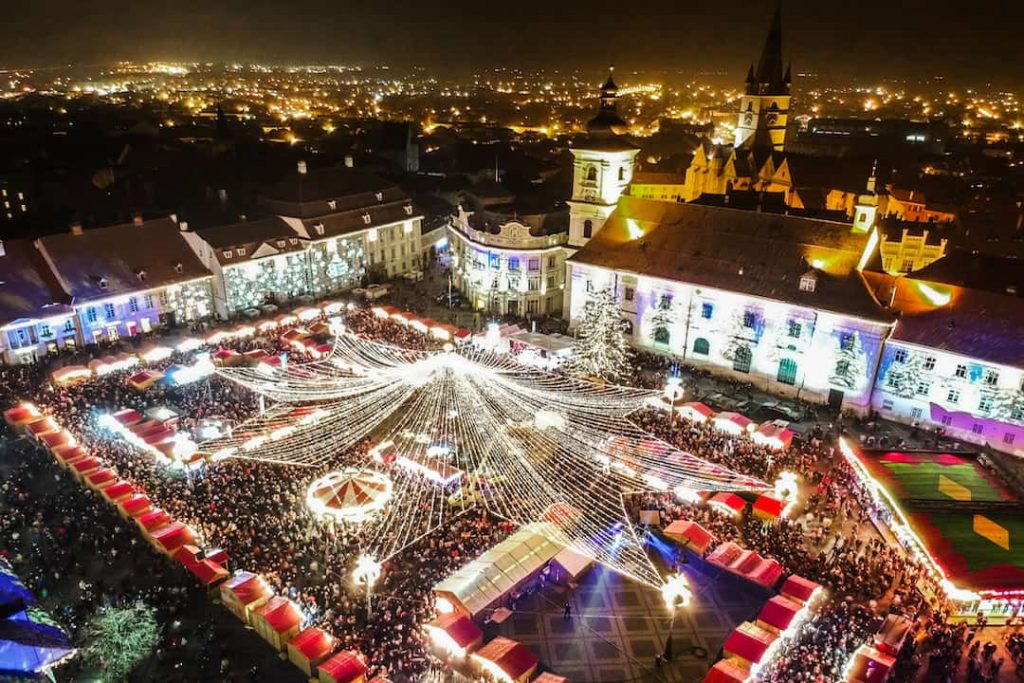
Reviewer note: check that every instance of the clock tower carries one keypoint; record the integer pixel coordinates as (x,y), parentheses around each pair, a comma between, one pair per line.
(602,168)
(764,107)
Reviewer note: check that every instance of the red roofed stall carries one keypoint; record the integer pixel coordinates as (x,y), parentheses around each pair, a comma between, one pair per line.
(65,455)
(152,520)
(84,466)
(43,425)
(277,621)
(455,633)
(118,491)
(729,503)
(695,411)
(135,505)
(170,537)
(128,417)
(101,478)
(725,671)
(20,415)
(243,593)
(690,534)
(749,645)
(506,660)
(548,677)
(310,648)
(778,614)
(54,440)
(800,589)
(768,507)
(344,667)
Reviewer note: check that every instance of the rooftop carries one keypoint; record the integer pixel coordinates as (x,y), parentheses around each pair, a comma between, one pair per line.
(27,287)
(759,254)
(119,259)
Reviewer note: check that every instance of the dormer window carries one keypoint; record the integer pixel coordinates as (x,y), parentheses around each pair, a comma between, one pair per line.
(332,204)
(293,241)
(102,283)
(280,243)
(379,196)
(808,282)
(227,254)
(179,267)
(408,209)
(141,274)
(319,228)
(366,219)
(241,251)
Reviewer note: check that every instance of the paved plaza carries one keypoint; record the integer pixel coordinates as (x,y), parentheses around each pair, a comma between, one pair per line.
(619,626)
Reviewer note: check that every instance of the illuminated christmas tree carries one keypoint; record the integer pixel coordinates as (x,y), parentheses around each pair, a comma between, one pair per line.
(851,364)
(118,638)
(601,348)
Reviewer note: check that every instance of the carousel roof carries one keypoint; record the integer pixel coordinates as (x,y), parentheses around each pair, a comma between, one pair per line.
(349,494)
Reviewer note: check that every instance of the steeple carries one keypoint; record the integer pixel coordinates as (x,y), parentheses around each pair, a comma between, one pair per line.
(608,119)
(768,78)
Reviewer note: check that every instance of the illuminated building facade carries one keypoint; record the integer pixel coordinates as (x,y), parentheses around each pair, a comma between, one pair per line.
(954,360)
(128,279)
(35,318)
(506,265)
(776,300)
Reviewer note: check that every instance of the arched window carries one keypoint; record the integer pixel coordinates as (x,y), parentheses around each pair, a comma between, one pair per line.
(662,335)
(588,229)
(591,174)
(701,346)
(787,371)
(741,363)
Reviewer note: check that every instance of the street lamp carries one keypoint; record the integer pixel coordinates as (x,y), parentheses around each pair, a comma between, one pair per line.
(676,593)
(367,572)
(673,391)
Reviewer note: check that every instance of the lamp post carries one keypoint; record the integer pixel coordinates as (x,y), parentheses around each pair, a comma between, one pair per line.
(673,392)
(367,572)
(676,593)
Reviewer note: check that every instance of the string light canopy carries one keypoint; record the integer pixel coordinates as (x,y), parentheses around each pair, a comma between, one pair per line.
(457,430)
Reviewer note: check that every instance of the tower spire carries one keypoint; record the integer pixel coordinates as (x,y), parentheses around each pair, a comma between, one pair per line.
(769,78)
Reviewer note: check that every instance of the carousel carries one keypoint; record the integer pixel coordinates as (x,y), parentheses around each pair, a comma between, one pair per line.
(349,495)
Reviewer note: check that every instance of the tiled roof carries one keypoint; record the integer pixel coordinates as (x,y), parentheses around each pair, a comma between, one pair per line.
(27,287)
(106,261)
(975,270)
(759,254)
(975,324)
(324,191)
(658,178)
(226,240)
(345,222)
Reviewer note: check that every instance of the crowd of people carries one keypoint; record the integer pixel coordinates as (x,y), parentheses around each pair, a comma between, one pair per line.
(256,512)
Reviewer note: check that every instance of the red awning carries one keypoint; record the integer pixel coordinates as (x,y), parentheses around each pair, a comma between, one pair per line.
(280,613)
(313,643)
(343,667)
(460,628)
(768,506)
(748,642)
(690,534)
(725,671)
(154,519)
(799,588)
(779,612)
(512,657)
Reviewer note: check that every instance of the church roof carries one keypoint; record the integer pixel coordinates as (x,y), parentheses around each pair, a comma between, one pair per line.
(975,270)
(769,77)
(754,253)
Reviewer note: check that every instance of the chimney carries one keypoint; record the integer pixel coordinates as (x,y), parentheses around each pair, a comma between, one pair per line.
(302,168)
(349,161)
(137,219)
(76,228)
(183,226)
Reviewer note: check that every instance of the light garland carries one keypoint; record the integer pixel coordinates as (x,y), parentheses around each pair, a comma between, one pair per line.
(456,430)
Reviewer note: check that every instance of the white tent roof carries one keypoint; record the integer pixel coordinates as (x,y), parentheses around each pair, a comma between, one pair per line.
(487,578)
(572,562)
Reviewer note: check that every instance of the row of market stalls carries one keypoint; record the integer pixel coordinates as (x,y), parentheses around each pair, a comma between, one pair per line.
(283,624)
(156,433)
(482,588)
(773,434)
(248,596)
(440,331)
(752,644)
(174,539)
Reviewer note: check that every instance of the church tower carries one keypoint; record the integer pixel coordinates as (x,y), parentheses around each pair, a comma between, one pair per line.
(764,107)
(602,168)
(871,205)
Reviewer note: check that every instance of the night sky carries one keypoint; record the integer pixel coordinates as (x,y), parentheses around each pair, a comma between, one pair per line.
(868,39)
